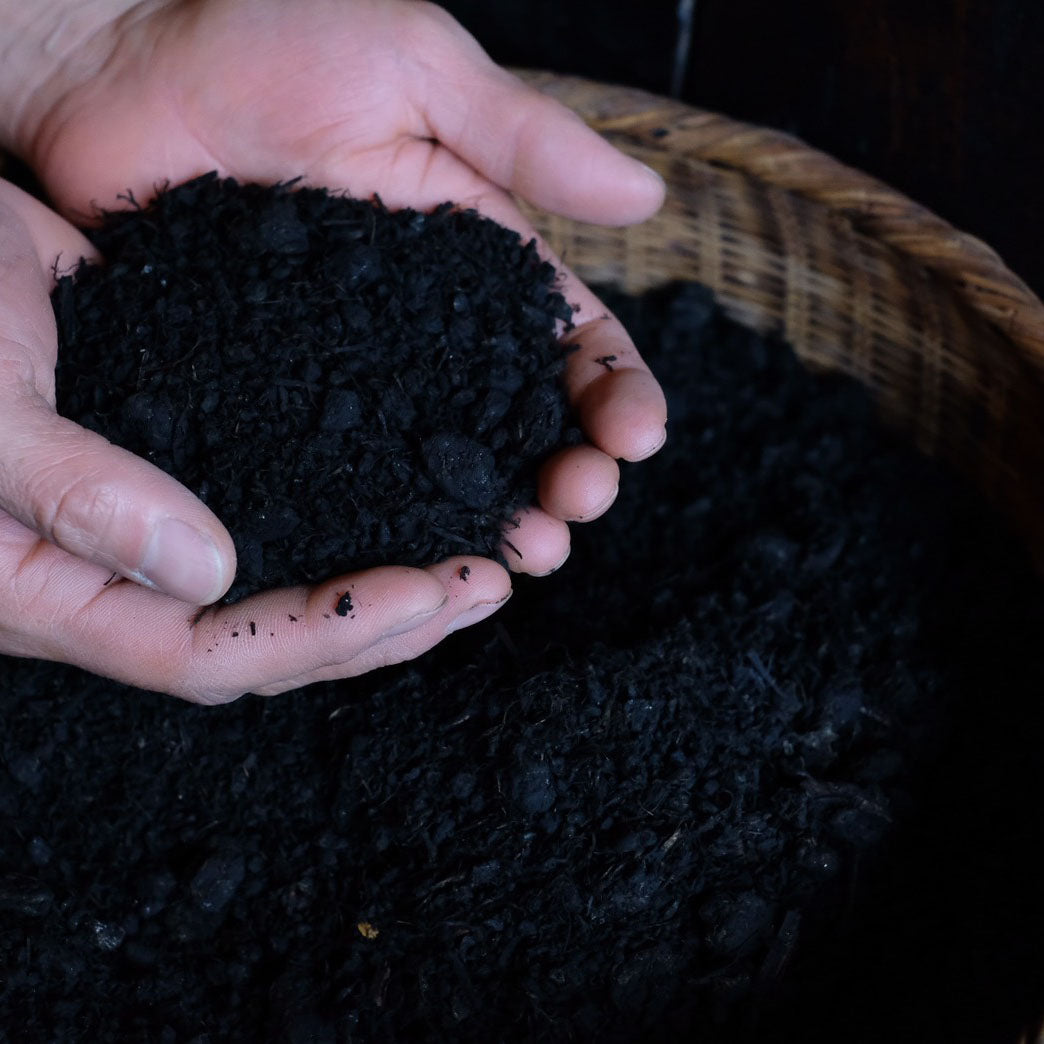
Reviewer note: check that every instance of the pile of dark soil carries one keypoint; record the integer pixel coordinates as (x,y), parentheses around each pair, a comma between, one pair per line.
(759,762)
(343,385)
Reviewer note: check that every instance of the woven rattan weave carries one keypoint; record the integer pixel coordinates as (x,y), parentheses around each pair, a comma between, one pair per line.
(855,276)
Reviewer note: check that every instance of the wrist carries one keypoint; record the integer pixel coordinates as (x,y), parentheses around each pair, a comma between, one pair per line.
(47,47)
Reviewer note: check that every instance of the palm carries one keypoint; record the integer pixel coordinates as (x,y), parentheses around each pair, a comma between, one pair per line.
(259,92)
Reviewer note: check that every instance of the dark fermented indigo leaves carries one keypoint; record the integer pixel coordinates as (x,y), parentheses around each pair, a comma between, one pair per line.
(763,764)
(344,386)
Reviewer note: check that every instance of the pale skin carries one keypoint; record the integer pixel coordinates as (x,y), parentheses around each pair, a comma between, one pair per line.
(386,96)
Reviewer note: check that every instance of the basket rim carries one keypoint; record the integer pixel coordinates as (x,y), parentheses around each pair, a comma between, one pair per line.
(975,270)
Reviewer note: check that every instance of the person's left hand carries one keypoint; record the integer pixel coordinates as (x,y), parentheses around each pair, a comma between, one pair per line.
(371,96)
(79,515)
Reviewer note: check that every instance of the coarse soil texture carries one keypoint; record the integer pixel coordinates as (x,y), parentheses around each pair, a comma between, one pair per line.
(759,763)
(344,386)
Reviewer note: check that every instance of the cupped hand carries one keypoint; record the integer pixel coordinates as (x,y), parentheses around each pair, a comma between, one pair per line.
(78,516)
(371,96)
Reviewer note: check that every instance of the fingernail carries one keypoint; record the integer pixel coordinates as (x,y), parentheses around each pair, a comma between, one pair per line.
(554,568)
(183,562)
(655,448)
(476,614)
(414,621)
(600,509)
(656,174)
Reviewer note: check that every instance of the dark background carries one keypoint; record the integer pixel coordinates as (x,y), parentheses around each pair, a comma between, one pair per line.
(944,99)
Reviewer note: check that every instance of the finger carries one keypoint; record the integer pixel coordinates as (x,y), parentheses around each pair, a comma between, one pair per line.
(525,141)
(536,543)
(578,484)
(107,506)
(70,485)
(62,608)
(283,639)
(620,404)
(472,597)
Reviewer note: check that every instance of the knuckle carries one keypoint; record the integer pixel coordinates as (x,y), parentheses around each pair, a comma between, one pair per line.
(72,511)
(31,597)
(32,591)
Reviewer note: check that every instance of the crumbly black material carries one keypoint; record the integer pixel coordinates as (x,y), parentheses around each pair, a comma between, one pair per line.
(343,385)
(760,763)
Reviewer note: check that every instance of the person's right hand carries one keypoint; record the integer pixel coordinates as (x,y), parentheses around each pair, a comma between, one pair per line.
(78,515)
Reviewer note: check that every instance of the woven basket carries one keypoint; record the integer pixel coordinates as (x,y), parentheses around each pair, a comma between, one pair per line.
(856,277)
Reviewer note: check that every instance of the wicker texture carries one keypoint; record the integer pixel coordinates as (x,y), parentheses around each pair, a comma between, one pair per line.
(855,276)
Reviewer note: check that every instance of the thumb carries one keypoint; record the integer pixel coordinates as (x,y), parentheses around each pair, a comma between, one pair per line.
(97,501)
(523,140)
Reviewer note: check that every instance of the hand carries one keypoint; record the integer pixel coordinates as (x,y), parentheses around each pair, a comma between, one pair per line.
(390,97)
(77,514)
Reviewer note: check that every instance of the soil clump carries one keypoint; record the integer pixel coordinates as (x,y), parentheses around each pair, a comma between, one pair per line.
(344,386)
